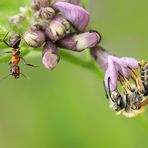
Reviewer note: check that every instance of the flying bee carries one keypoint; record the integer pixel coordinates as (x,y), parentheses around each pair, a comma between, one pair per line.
(133,96)
(14,42)
(115,99)
(144,75)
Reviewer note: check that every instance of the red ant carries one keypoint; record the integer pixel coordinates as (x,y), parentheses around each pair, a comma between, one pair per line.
(14,43)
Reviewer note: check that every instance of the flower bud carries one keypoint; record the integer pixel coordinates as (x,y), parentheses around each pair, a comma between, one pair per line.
(39,26)
(50,55)
(57,28)
(37,4)
(16,19)
(47,13)
(34,38)
(76,2)
(79,42)
(77,15)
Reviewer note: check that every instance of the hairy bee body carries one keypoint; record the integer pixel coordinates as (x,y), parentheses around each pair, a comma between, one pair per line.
(133,98)
(144,76)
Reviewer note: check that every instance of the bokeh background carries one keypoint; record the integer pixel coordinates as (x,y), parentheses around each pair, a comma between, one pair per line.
(66,108)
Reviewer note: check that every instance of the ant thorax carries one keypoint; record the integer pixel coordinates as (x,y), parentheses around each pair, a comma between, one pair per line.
(16,51)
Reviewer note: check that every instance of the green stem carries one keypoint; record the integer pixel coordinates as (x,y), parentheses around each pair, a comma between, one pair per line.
(89,65)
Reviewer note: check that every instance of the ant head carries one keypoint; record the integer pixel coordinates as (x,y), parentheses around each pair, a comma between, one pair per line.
(15,71)
(14,40)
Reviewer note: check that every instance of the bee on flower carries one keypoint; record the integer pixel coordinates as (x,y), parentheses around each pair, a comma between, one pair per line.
(130,100)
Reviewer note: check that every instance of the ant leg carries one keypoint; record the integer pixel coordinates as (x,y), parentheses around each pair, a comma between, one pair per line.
(8,52)
(4,39)
(24,61)
(137,80)
(5,77)
(24,76)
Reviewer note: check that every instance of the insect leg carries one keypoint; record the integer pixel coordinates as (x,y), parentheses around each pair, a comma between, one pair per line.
(24,61)
(143,103)
(4,39)
(127,84)
(24,76)
(5,77)
(138,80)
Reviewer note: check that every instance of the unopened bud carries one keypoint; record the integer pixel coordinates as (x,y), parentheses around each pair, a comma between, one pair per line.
(39,26)
(47,12)
(76,2)
(34,38)
(16,19)
(79,42)
(57,28)
(37,4)
(50,56)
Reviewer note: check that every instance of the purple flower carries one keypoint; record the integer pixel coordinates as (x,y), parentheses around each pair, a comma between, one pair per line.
(77,15)
(100,55)
(79,41)
(50,55)
(34,38)
(118,67)
(114,66)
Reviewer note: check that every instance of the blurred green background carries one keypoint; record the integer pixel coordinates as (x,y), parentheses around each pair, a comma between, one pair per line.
(66,108)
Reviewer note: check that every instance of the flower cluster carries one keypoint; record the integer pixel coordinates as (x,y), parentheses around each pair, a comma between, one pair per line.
(59,24)
(131,99)
(64,24)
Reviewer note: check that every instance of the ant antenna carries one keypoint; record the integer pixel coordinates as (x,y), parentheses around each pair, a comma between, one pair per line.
(5,77)
(5,36)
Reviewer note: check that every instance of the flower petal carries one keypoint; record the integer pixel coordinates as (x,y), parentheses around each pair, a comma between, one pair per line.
(100,55)
(77,15)
(131,62)
(111,73)
(126,62)
(79,41)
